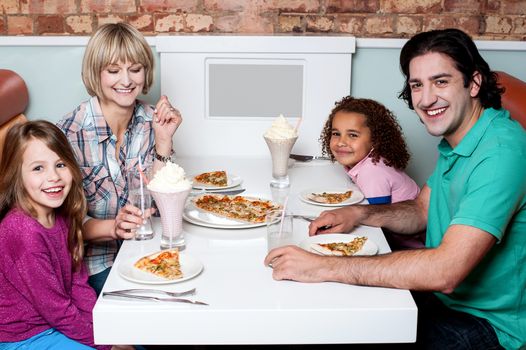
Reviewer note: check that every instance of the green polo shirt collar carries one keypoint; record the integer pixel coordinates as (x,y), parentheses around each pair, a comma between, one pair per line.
(470,142)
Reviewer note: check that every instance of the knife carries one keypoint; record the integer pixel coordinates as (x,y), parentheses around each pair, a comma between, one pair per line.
(304,158)
(229,192)
(226,192)
(144,297)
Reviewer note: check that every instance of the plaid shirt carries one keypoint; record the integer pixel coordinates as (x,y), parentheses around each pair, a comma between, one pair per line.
(104,176)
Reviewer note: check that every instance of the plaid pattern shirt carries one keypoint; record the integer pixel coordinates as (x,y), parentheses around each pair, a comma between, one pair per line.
(104,175)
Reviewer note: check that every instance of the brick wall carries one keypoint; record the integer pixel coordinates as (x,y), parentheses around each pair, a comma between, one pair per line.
(483,19)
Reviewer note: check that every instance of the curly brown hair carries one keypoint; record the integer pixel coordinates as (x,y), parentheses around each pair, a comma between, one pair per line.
(386,134)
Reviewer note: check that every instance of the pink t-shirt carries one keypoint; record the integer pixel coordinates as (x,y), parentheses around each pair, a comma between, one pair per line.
(382,184)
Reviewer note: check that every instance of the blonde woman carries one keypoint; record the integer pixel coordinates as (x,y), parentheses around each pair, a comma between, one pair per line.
(109,133)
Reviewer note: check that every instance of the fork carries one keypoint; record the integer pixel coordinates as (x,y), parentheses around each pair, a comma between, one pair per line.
(144,297)
(156,291)
(311,219)
(304,217)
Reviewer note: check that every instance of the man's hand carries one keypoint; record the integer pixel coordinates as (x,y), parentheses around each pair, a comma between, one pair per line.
(339,220)
(294,263)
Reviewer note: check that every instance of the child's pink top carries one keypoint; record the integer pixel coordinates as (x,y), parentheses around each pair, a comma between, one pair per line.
(382,184)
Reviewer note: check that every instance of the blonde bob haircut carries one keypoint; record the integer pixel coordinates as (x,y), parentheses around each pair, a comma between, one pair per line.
(111,43)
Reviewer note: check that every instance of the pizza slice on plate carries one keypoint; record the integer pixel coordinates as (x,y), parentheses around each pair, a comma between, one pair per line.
(251,210)
(164,264)
(212,178)
(340,248)
(330,197)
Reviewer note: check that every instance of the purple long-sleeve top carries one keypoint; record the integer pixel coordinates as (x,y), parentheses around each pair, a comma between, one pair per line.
(38,288)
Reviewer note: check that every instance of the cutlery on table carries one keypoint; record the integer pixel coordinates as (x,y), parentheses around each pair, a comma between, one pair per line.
(144,297)
(304,158)
(218,191)
(310,219)
(155,291)
(229,192)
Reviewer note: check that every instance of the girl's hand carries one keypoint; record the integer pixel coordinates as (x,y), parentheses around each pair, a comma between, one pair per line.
(127,221)
(166,120)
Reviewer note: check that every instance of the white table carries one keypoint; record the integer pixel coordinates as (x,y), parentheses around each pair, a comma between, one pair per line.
(246,305)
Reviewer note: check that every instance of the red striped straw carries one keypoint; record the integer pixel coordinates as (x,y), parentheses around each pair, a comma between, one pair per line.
(145,179)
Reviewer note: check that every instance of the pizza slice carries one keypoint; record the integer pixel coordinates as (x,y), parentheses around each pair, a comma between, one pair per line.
(330,197)
(213,178)
(238,207)
(164,264)
(340,248)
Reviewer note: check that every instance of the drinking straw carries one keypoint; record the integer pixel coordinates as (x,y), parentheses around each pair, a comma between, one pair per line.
(283,214)
(144,178)
(141,177)
(298,124)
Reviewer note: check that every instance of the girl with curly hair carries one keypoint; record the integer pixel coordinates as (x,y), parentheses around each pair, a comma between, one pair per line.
(364,137)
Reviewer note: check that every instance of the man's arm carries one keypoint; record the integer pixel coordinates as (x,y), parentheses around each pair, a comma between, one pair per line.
(439,269)
(404,217)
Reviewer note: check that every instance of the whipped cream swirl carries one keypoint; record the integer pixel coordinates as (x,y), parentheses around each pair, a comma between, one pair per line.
(281,129)
(170,178)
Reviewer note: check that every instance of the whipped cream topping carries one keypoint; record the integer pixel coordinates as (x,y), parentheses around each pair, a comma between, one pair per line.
(281,129)
(170,178)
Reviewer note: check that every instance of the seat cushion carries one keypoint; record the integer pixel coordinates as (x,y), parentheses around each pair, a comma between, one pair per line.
(514,98)
(14,96)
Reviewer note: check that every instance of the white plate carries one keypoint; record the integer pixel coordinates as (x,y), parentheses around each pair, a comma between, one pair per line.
(356,196)
(369,248)
(190,267)
(232,181)
(196,216)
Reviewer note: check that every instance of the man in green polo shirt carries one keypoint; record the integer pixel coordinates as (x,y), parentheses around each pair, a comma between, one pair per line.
(473,207)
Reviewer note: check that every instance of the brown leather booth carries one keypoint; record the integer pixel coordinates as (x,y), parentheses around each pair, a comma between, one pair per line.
(14,99)
(514,98)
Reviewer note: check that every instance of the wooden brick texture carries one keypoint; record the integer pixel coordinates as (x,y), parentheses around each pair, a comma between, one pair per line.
(482,19)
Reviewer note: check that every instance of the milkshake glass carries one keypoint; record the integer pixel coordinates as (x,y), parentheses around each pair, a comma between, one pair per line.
(280,152)
(171,207)
(170,188)
(280,139)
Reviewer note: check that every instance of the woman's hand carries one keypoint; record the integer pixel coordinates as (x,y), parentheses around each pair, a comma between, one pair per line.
(126,222)
(165,122)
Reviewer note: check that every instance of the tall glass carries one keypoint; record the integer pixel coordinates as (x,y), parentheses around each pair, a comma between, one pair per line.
(280,152)
(139,196)
(279,229)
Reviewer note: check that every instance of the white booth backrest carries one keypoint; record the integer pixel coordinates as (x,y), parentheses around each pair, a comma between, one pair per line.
(229,89)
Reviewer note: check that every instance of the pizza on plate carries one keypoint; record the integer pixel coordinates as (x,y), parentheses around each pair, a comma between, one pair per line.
(164,264)
(251,210)
(212,178)
(340,248)
(330,197)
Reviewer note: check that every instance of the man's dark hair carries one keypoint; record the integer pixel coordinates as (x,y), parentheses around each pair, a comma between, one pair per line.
(462,50)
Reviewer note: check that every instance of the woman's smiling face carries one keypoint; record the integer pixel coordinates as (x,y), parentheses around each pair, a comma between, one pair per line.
(121,83)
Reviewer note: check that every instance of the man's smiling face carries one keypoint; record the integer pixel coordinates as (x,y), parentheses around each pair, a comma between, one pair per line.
(439,97)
